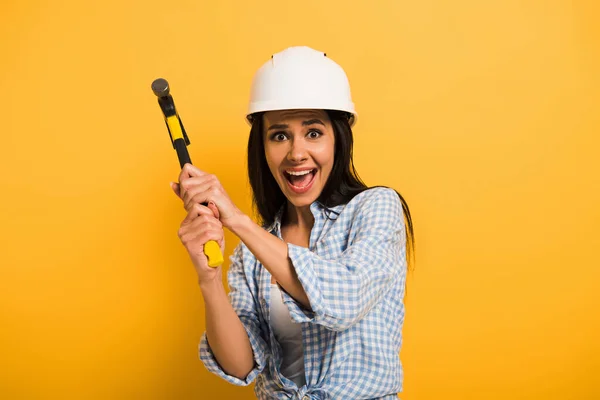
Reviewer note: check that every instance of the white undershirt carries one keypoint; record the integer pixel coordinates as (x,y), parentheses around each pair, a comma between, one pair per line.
(289,336)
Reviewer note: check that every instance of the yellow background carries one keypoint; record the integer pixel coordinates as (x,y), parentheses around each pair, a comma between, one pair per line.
(483,114)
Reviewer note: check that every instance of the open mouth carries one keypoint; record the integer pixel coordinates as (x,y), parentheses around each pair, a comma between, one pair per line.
(300,181)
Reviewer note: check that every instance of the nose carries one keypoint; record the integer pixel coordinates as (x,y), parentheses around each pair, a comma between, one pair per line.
(298,152)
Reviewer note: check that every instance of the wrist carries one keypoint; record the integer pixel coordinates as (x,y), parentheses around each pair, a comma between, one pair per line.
(210,286)
(239,224)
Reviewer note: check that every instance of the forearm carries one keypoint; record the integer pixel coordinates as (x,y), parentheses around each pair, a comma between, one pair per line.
(272,252)
(225,333)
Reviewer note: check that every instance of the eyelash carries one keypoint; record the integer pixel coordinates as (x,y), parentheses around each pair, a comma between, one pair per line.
(274,135)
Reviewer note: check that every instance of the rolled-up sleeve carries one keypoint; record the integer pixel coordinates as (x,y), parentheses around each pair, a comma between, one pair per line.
(243,302)
(343,289)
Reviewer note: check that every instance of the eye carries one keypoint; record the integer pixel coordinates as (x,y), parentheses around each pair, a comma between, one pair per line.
(278,136)
(314,134)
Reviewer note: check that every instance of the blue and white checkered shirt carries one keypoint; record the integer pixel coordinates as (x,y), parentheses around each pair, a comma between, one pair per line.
(353,273)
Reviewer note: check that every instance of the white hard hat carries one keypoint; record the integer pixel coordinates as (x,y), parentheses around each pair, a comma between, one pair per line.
(300,78)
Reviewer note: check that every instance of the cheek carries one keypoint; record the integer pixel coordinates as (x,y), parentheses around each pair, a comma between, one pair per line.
(324,155)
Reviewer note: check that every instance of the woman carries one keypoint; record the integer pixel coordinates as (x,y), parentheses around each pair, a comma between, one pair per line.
(315,309)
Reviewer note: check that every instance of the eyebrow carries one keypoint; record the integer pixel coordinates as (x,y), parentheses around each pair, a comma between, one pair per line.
(304,123)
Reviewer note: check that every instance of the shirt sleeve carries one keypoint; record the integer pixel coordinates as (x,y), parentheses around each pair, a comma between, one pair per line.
(243,302)
(342,290)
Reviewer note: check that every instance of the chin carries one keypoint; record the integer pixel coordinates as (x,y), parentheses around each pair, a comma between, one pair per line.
(301,202)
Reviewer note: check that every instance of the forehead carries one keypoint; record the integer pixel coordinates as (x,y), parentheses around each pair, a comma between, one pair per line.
(283,116)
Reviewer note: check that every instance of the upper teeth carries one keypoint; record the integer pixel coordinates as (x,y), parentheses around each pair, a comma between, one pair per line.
(299,173)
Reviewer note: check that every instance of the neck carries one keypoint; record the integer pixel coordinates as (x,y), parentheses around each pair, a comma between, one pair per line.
(299,216)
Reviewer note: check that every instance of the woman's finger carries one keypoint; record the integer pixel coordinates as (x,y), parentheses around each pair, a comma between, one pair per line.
(194,229)
(192,186)
(196,180)
(203,222)
(199,194)
(175,188)
(211,234)
(189,171)
(190,235)
(197,210)
(214,209)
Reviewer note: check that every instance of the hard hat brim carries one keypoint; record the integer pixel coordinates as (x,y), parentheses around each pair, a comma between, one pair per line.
(352,115)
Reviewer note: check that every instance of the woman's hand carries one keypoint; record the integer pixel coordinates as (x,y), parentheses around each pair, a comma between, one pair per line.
(197,187)
(198,227)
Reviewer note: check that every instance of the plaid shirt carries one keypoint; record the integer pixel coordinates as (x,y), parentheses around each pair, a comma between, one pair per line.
(353,273)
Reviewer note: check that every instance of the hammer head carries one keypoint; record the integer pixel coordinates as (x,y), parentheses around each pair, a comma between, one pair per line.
(160,87)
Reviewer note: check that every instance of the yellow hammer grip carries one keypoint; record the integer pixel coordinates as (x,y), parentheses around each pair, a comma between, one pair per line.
(174,127)
(213,253)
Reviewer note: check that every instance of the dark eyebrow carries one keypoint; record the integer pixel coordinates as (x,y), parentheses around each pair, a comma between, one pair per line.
(312,121)
(304,123)
(278,126)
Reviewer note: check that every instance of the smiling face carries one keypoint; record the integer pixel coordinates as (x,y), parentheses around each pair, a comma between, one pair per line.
(299,148)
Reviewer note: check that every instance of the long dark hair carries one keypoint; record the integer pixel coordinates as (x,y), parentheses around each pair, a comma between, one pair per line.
(342,185)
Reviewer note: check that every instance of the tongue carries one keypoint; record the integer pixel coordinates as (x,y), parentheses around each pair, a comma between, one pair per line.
(301,180)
